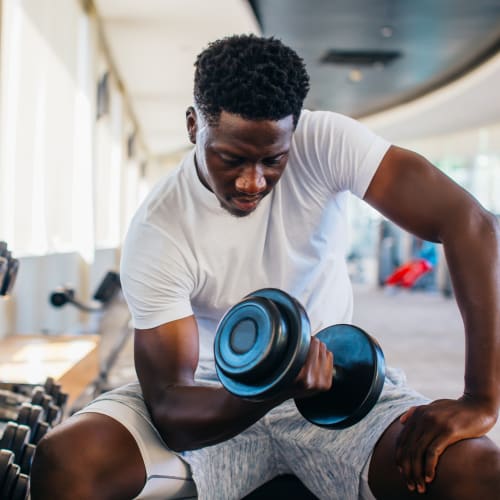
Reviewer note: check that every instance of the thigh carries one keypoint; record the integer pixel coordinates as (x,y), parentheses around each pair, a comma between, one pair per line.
(330,462)
(234,468)
(228,470)
(166,475)
(469,469)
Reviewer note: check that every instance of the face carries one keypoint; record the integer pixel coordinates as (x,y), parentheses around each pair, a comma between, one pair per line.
(240,160)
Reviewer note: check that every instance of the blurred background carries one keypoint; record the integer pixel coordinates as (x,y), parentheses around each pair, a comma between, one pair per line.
(93,96)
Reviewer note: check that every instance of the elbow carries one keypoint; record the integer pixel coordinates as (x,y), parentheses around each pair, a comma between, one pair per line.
(176,442)
(476,222)
(487,225)
(172,429)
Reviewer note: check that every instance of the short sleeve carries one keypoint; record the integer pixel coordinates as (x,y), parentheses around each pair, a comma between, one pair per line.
(155,278)
(345,153)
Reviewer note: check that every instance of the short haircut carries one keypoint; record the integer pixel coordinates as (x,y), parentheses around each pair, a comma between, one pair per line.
(255,77)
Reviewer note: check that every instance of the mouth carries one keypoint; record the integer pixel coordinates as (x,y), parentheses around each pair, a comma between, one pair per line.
(246,203)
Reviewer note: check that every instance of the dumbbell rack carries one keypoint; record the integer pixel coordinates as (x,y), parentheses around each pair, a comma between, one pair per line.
(27,412)
(9,267)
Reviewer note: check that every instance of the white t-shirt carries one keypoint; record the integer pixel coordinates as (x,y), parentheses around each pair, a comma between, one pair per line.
(184,254)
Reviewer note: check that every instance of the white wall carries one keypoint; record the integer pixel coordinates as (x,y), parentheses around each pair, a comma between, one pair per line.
(28,310)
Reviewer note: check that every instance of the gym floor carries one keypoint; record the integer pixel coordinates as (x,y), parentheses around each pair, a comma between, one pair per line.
(420,332)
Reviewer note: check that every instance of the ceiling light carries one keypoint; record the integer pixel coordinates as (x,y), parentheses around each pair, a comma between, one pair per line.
(386,31)
(355,75)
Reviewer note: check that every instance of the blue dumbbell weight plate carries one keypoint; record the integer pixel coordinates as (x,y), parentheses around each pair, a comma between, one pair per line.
(357,383)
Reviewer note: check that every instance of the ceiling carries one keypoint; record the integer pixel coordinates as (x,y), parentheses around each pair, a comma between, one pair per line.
(436,40)
(154,44)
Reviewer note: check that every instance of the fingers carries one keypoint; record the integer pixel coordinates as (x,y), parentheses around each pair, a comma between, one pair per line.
(317,372)
(420,444)
(434,450)
(405,416)
(411,444)
(429,429)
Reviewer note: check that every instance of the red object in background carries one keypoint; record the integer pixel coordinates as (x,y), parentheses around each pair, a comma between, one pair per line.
(407,274)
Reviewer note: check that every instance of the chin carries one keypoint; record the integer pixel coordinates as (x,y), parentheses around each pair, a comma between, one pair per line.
(236,212)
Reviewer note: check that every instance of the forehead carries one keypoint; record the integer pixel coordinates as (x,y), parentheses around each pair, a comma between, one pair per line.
(234,132)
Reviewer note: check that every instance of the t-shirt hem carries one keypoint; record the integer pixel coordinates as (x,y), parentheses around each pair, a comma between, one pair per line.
(370,165)
(160,318)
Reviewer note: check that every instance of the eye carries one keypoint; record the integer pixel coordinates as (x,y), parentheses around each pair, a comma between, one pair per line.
(274,161)
(232,161)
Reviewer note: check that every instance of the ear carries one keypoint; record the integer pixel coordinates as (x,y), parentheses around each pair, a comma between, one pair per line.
(191,124)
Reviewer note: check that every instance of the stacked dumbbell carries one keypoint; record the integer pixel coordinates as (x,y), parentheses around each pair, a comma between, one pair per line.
(8,269)
(13,484)
(29,419)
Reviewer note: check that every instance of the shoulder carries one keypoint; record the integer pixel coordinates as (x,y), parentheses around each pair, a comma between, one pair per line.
(167,196)
(323,121)
(343,152)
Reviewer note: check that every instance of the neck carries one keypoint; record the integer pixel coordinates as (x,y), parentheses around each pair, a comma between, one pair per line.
(200,175)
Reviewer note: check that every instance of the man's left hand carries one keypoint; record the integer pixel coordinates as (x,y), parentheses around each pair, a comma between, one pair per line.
(429,429)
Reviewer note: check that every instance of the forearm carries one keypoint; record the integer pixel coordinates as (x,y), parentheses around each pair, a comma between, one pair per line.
(472,252)
(194,416)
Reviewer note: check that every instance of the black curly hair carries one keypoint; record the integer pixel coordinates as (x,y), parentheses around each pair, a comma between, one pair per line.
(255,77)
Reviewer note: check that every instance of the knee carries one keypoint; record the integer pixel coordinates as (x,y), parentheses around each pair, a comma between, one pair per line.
(87,457)
(45,465)
(477,473)
(487,472)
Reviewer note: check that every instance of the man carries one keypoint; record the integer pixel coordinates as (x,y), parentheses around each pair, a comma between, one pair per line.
(260,202)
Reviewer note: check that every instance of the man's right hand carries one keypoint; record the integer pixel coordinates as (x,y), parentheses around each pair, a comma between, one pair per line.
(317,373)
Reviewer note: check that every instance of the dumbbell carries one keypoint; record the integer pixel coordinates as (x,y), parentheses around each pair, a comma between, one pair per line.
(52,413)
(34,416)
(60,398)
(9,404)
(262,343)
(49,397)
(16,438)
(13,483)
(9,268)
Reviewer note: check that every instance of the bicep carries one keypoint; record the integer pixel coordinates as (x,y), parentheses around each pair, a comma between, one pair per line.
(166,355)
(417,196)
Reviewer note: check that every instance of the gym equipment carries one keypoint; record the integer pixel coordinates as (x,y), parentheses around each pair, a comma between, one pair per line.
(31,412)
(105,292)
(16,438)
(4,263)
(262,343)
(13,483)
(29,417)
(113,337)
(29,404)
(9,267)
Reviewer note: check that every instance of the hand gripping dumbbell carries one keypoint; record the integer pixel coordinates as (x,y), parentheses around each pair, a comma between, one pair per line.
(262,343)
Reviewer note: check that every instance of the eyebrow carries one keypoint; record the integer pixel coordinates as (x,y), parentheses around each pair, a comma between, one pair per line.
(222,151)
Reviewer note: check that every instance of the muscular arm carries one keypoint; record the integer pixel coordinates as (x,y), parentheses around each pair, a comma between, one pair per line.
(189,415)
(421,199)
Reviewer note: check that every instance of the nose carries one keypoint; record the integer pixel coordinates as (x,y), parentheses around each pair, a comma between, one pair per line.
(251,181)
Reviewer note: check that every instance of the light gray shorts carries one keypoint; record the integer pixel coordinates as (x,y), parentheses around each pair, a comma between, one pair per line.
(333,464)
